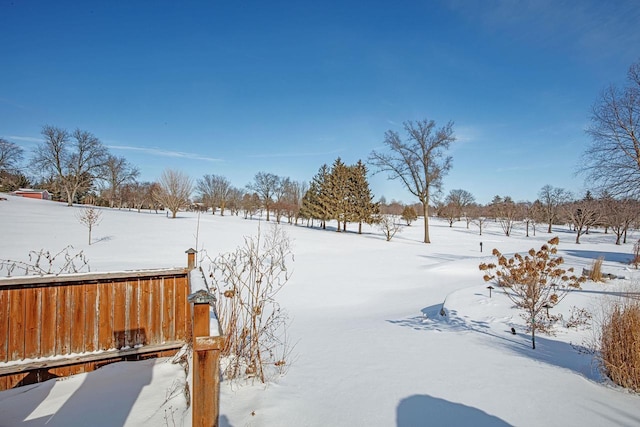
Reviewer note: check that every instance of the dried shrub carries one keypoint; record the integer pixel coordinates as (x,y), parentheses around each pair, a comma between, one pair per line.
(579,317)
(245,283)
(636,254)
(620,344)
(595,273)
(44,262)
(533,282)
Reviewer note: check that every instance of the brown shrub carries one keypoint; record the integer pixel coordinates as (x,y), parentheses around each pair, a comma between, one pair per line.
(596,270)
(620,344)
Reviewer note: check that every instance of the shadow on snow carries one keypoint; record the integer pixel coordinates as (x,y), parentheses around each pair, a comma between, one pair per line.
(423,410)
(564,355)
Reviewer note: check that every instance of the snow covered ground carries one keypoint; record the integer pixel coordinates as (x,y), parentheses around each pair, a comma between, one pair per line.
(372,348)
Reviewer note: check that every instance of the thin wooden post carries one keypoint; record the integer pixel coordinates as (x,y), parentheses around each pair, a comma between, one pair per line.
(191,258)
(205,398)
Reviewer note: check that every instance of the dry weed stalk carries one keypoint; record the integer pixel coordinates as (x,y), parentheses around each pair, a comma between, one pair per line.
(533,282)
(44,262)
(245,283)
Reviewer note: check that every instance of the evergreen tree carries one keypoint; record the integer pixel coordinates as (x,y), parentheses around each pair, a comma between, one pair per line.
(361,199)
(338,192)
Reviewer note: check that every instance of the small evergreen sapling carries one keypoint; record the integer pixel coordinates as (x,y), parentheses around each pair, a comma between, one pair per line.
(409,214)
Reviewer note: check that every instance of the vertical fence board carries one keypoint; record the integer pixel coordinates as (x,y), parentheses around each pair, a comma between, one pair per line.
(168,310)
(132,324)
(49,321)
(105,325)
(63,330)
(33,322)
(16,331)
(145,311)
(91,318)
(77,318)
(4,326)
(155,325)
(119,312)
(181,309)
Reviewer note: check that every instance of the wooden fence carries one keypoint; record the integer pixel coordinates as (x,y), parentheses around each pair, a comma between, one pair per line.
(54,326)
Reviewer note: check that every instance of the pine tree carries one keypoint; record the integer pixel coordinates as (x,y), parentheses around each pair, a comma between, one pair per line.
(316,201)
(361,199)
(338,192)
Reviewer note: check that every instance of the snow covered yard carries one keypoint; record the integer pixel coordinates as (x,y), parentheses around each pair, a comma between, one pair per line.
(372,347)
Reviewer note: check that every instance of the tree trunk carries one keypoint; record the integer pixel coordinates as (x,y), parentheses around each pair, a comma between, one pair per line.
(425,212)
(549,229)
(533,334)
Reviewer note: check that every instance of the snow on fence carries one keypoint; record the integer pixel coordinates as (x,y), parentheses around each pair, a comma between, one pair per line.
(54,326)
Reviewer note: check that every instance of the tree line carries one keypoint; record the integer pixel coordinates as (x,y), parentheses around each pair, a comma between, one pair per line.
(554,206)
(77,167)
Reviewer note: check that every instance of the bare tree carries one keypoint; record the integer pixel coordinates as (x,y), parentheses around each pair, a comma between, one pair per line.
(506,213)
(550,200)
(265,184)
(450,212)
(89,217)
(117,171)
(478,215)
(459,201)
(389,225)
(250,204)
(620,215)
(612,161)
(75,160)
(527,215)
(418,162)
(583,214)
(281,196)
(174,190)
(214,191)
(235,200)
(10,155)
(533,282)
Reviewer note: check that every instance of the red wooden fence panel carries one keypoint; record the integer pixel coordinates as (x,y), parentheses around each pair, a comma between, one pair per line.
(84,314)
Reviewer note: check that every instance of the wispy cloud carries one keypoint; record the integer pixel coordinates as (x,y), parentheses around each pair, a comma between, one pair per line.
(165,153)
(520,168)
(592,27)
(292,154)
(466,133)
(24,138)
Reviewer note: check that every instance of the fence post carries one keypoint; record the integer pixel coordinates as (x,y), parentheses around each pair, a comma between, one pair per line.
(191,258)
(205,398)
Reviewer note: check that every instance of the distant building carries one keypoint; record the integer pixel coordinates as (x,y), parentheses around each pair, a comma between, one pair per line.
(32,193)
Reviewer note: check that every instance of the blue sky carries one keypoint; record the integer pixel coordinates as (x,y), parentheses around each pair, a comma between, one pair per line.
(234,88)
